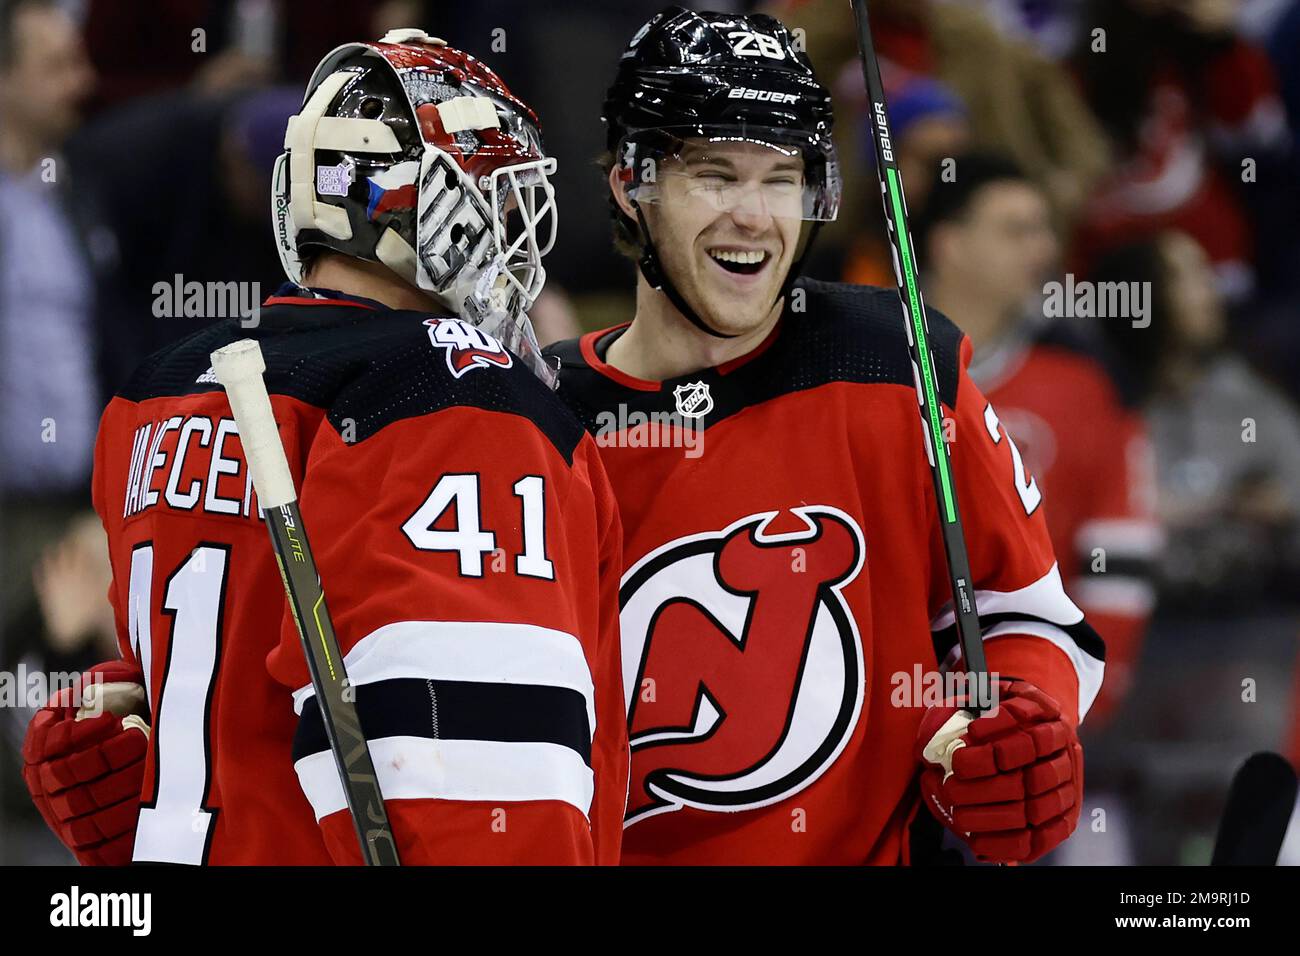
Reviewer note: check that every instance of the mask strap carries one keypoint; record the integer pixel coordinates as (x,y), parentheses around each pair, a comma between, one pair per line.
(654,274)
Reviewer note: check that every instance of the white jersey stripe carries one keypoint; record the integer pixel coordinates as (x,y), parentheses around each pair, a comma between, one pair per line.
(1114,594)
(1045,598)
(468,651)
(1128,537)
(1089,670)
(415,768)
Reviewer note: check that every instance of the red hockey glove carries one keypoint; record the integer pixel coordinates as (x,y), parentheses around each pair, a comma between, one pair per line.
(1009,783)
(85,772)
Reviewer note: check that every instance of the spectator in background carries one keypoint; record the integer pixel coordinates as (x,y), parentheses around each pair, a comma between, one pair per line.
(66,627)
(1017,101)
(987,242)
(1273,335)
(1284,49)
(1257,19)
(217,46)
(929,124)
(1227,444)
(50,352)
(1052,26)
(46,287)
(1183,101)
(199,206)
(554,318)
(49,348)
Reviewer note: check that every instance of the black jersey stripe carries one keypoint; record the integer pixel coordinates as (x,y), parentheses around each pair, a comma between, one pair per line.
(1082,633)
(458,710)
(1117,567)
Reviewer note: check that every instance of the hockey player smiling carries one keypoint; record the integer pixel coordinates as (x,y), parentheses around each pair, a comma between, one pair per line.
(726,226)
(776,585)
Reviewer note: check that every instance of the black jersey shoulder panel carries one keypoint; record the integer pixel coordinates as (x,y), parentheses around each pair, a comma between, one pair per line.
(857,333)
(831,332)
(366,368)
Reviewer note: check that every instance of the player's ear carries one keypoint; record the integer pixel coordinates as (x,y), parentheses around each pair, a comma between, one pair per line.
(619,193)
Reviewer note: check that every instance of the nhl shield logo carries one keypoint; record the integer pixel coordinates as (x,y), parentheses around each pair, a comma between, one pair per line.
(693,399)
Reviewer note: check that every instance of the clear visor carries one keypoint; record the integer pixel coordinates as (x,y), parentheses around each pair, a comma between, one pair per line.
(763,172)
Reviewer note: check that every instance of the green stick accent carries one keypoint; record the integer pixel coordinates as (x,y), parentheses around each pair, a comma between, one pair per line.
(932,406)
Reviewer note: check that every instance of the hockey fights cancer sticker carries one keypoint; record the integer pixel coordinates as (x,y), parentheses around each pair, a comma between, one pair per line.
(467,347)
(728,709)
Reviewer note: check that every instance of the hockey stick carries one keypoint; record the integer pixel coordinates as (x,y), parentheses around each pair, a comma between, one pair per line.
(1257,814)
(239,367)
(918,344)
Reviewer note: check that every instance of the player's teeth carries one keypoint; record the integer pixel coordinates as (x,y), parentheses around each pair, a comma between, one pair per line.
(747,257)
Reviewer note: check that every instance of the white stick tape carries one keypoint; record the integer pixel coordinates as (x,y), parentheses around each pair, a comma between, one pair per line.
(239,367)
(946,741)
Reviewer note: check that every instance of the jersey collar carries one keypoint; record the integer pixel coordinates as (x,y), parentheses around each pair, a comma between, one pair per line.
(290,294)
(595,346)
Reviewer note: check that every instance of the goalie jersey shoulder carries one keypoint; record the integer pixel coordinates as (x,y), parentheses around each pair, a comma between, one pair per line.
(367,368)
(830,332)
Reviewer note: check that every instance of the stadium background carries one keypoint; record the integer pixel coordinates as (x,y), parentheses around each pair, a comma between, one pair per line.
(136,140)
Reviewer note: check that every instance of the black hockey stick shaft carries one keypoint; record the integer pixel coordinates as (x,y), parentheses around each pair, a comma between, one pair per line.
(918,343)
(330,680)
(239,368)
(1260,805)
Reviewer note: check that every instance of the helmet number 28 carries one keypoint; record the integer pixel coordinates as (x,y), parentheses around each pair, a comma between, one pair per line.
(749,43)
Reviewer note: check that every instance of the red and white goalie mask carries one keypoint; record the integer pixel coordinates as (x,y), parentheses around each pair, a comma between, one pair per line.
(411,153)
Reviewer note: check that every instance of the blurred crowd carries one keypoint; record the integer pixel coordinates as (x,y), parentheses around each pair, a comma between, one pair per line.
(1104,194)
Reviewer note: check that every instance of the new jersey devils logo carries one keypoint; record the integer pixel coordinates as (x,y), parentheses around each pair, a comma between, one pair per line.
(742,663)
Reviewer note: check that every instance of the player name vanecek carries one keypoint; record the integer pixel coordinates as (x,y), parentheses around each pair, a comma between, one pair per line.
(188,463)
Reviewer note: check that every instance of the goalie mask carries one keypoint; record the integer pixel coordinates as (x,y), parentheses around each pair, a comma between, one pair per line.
(410,153)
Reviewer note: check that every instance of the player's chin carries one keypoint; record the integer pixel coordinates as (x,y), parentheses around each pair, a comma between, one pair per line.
(732,317)
(743,313)
(733,309)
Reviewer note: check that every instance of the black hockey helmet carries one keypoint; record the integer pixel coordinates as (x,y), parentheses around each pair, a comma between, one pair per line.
(719,77)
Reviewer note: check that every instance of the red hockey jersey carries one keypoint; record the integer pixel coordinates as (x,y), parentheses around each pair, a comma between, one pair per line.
(468,543)
(785,603)
(1093,462)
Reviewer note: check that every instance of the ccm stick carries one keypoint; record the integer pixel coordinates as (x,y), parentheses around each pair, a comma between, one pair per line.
(936,449)
(239,367)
